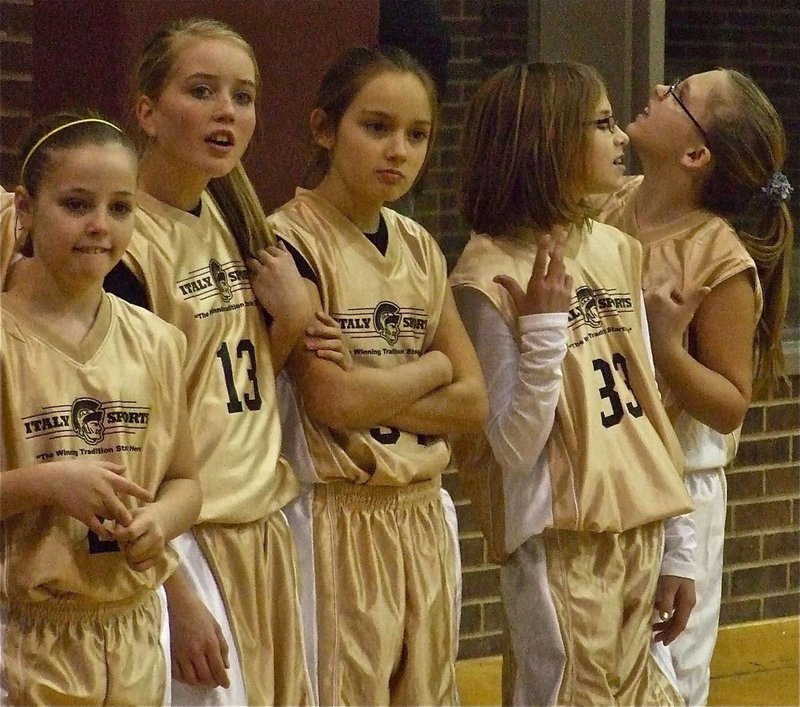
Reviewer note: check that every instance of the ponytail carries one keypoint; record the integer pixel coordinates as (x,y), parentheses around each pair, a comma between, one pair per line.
(746,187)
(237,200)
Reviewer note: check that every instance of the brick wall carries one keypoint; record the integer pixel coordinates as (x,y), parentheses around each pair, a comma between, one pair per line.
(762,571)
(16,65)
(761,577)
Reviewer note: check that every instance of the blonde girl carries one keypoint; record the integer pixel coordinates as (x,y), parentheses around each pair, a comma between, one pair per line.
(97,470)
(578,468)
(711,212)
(385,550)
(234,615)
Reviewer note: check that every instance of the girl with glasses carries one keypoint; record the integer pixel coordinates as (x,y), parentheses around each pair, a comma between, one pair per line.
(711,214)
(578,468)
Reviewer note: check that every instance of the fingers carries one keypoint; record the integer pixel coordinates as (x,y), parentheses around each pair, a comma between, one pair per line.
(223,644)
(114,509)
(326,327)
(123,485)
(556,268)
(543,250)
(111,466)
(328,354)
(215,665)
(183,671)
(327,320)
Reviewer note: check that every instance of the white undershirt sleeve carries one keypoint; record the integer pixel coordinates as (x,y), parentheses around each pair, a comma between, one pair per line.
(524,384)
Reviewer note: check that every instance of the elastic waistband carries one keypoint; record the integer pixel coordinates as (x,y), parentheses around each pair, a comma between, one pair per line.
(378,497)
(77,610)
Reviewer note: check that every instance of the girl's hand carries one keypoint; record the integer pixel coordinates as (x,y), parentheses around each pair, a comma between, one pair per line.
(550,286)
(143,540)
(670,310)
(198,648)
(675,599)
(325,338)
(90,491)
(278,285)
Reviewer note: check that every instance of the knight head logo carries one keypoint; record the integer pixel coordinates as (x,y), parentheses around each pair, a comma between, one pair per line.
(387,321)
(588,304)
(87,420)
(220,278)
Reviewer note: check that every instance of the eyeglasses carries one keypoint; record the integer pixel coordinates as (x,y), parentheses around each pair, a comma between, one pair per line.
(673,91)
(609,124)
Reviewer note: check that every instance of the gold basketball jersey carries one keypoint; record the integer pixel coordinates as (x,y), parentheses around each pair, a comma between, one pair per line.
(612,456)
(196,279)
(697,250)
(116,397)
(389,307)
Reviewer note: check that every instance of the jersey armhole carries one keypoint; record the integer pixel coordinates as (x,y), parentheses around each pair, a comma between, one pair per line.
(122,282)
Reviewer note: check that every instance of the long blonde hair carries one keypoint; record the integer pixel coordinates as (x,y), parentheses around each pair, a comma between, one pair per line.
(233,193)
(748,148)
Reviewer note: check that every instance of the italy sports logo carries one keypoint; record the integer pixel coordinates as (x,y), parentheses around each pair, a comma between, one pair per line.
(590,306)
(87,419)
(214,280)
(387,320)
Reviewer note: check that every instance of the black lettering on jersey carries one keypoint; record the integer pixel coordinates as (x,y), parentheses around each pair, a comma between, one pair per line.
(350,323)
(416,323)
(390,435)
(199,285)
(133,418)
(46,423)
(88,419)
(246,354)
(609,390)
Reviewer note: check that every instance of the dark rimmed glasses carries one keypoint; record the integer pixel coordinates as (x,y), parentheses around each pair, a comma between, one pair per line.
(609,124)
(673,91)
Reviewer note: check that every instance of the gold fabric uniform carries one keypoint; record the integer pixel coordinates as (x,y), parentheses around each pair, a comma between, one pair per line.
(195,279)
(384,556)
(609,411)
(80,623)
(612,467)
(697,250)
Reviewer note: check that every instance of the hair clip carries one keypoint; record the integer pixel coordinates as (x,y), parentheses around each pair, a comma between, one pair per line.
(778,188)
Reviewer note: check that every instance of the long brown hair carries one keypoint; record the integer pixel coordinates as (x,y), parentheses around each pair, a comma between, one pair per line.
(233,193)
(523,155)
(748,147)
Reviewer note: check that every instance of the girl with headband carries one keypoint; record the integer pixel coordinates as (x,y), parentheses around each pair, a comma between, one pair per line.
(98,470)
